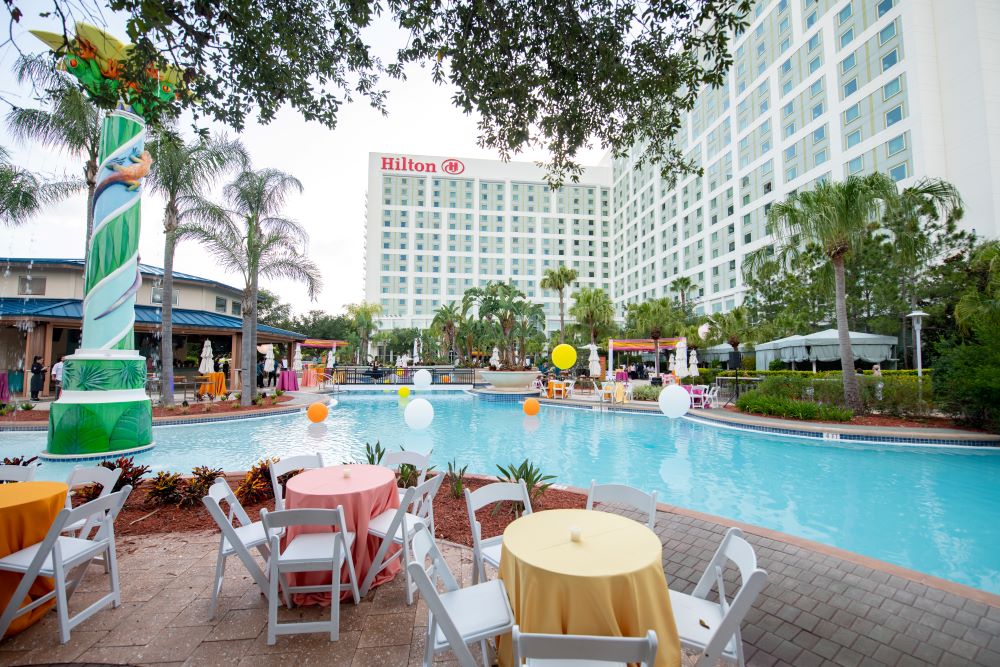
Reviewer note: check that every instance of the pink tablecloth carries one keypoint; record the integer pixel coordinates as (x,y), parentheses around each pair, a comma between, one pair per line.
(4,390)
(367,493)
(288,381)
(621,376)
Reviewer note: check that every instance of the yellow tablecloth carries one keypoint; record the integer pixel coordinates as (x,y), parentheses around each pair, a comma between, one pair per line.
(610,583)
(27,509)
(216,385)
(553,384)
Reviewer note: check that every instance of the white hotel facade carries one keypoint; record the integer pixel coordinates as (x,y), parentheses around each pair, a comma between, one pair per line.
(819,89)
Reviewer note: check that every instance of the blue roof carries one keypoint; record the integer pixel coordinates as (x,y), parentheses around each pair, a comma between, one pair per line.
(72,309)
(145,269)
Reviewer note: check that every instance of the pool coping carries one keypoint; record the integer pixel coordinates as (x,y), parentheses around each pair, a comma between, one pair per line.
(829,433)
(929,580)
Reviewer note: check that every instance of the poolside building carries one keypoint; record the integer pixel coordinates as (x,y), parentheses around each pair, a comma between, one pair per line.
(819,89)
(41,308)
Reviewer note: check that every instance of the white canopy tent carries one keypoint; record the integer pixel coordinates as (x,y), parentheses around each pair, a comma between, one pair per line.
(825,346)
(721,352)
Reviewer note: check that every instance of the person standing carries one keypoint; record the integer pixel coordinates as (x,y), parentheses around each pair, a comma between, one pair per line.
(57,376)
(37,377)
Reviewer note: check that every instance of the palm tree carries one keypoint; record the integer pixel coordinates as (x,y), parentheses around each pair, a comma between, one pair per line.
(593,311)
(682,286)
(70,123)
(181,170)
(559,279)
(251,238)
(22,193)
(446,319)
(363,317)
(654,318)
(836,217)
(529,324)
(497,303)
(978,309)
(733,327)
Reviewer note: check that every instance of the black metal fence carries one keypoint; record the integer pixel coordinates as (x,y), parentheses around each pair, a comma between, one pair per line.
(354,375)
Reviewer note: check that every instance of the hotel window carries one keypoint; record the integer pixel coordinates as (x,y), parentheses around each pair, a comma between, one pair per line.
(852,112)
(790,152)
(235,308)
(220,304)
(886,33)
(765,146)
(885,6)
(783,26)
(891,88)
(898,172)
(816,88)
(890,59)
(156,297)
(817,111)
(786,66)
(790,174)
(845,13)
(786,88)
(814,64)
(810,20)
(847,37)
(789,130)
(813,42)
(848,63)
(894,115)
(30,286)
(895,145)
(855,165)
(851,87)
(760,49)
(789,108)
(782,6)
(854,138)
(820,157)
(785,43)
(819,134)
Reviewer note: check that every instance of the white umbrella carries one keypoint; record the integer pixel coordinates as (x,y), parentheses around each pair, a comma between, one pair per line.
(207,365)
(594,361)
(416,351)
(495,358)
(693,369)
(680,368)
(269,359)
(670,365)
(330,357)
(297,361)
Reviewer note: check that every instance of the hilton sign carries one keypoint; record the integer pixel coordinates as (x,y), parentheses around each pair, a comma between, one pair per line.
(449,166)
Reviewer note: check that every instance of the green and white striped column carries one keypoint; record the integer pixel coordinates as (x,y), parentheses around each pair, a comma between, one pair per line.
(103,408)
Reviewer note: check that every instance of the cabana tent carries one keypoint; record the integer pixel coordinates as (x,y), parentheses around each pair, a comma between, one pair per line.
(721,352)
(633,345)
(825,346)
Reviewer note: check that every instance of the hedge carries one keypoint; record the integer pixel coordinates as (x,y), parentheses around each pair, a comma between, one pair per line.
(909,372)
(897,395)
(755,402)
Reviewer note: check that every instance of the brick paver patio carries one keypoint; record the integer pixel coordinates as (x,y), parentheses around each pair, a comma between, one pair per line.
(817,609)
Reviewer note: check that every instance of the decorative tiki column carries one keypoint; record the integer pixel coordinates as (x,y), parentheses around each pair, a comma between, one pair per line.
(104,407)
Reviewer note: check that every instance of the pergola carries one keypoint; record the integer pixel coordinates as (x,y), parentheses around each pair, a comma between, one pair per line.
(640,345)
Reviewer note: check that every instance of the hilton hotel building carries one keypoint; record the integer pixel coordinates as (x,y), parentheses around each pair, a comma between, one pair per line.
(819,89)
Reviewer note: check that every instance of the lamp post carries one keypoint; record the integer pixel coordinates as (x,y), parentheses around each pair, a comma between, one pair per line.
(918,317)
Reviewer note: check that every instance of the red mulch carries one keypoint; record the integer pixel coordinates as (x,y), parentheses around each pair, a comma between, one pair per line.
(195,408)
(882,420)
(451,519)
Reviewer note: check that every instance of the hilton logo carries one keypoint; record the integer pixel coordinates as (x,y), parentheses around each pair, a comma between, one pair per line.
(448,166)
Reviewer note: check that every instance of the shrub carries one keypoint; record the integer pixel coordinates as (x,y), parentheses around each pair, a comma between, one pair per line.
(776,365)
(202,477)
(256,485)
(279,392)
(967,383)
(456,479)
(754,402)
(131,475)
(166,488)
(19,460)
(530,473)
(646,393)
(373,455)
(27,405)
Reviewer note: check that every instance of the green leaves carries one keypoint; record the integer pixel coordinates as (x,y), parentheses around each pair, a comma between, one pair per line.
(531,474)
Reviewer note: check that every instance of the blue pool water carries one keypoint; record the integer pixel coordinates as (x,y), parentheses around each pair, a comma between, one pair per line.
(931,509)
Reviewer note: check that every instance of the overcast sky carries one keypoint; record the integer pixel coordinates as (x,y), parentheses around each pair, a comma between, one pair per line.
(331,164)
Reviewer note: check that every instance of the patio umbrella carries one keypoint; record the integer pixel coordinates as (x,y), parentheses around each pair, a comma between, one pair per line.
(269,359)
(297,361)
(693,368)
(207,365)
(495,357)
(329,358)
(593,361)
(680,368)
(670,364)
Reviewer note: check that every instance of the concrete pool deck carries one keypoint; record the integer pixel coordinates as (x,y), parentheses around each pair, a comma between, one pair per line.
(817,609)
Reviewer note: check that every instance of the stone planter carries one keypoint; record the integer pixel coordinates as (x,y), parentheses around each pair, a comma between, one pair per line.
(510,380)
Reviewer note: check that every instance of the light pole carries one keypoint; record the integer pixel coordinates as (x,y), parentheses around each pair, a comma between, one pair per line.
(918,317)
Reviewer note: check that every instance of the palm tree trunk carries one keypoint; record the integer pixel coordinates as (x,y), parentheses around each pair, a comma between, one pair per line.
(852,390)
(562,319)
(167,309)
(656,358)
(254,293)
(90,175)
(249,378)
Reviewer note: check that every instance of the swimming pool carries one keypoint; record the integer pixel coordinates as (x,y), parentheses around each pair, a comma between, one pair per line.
(930,509)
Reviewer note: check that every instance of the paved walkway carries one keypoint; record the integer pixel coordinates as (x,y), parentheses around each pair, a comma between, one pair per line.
(817,609)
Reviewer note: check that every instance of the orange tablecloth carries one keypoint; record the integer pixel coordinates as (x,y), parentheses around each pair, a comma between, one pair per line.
(367,493)
(216,385)
(610,583)
(27,510)
(552,384)
(309,377)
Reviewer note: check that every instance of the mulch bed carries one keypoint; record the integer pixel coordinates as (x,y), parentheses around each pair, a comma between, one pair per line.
(879,420)
(451,518)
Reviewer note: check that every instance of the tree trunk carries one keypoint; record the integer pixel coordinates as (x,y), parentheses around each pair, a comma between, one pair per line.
(656,358)
(562,320)
(90,175)
(254,293)
(249,379)
(167,309)
(852,390)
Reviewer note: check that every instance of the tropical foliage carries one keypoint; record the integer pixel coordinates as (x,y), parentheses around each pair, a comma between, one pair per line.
(558,280)
(594,313)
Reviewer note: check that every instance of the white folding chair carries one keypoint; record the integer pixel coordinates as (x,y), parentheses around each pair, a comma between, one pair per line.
(624,495)
(558,390)
(458,616)
(287,465)
(713,628)
(607,392)
(326,551)
(416,509)
(56,557)
(84,475)
(541,650)
(488,551)
(239,535)
(419,461)
(13,473)
(711,398)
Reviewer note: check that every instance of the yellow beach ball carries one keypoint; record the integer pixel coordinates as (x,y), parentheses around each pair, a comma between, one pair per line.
(564,356)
